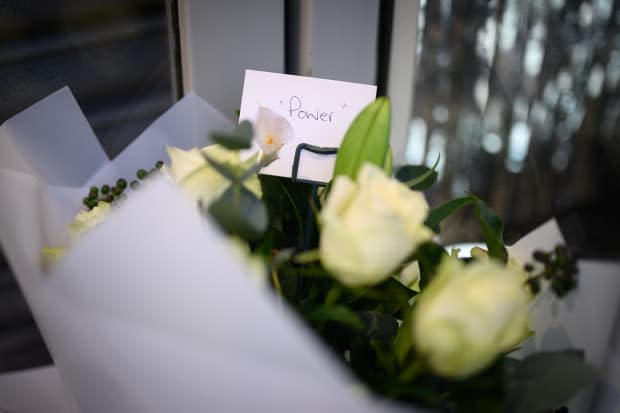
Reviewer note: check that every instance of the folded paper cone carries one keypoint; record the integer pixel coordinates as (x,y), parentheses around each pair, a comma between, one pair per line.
(582,320)
(152,310)
(165,317)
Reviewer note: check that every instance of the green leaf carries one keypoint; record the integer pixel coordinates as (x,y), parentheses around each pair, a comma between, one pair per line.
(385,356)
(378,324)
(239,212)
(436,215)
(307,257)
(429,255)
(492,228)
(366,140)
(404,339)
(487,385)
(338,313)
(240,138)
(389,162)
(546,380)
(390,294)
(257,166)
(427,393)
(417,177)
(226,170)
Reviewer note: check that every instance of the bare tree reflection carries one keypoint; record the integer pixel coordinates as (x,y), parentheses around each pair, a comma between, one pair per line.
(522,100)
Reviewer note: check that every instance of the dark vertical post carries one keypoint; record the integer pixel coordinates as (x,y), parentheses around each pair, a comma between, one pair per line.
(292,22)
(384,43)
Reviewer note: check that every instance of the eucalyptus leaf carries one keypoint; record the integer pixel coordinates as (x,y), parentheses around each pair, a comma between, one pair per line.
(240,138)
(226,170)
(239,212)
(366,140)
(438,214)
(546,380)
(254,168)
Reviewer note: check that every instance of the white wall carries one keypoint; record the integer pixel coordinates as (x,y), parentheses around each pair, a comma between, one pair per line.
(222,38)
(344,40)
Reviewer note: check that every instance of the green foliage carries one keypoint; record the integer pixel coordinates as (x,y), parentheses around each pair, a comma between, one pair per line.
(429,255)
(337,313)
(379,325)
(227,171)
(418,177)
(288,205)
(487,386)
(403,341)
(559,268)
(492,228)
(492,225)
(369,328)
(239,212)
(240,138)
(390,296)
(546,380)
(438,214)
(366,140)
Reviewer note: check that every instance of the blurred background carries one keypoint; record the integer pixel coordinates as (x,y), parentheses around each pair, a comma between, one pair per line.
(520,97)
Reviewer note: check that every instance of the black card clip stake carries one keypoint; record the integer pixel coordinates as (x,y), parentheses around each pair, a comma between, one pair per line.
(314,189)
(310,148)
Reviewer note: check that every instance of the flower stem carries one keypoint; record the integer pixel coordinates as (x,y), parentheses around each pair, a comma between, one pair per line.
(333,294)
(276,282)
(413,370)
(306,257)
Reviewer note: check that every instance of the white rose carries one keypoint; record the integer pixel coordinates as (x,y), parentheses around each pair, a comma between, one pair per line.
(198,178)
(370,227)
(86,220)
(468,315)
(410,276)
(482,254)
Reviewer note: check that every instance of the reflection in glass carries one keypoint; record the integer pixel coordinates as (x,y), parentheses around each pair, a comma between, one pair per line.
(521,99)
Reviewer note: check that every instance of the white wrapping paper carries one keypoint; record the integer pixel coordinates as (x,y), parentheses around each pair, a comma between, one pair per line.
(152,310)
(584,319)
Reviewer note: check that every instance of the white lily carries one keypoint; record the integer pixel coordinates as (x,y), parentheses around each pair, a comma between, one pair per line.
(272,131)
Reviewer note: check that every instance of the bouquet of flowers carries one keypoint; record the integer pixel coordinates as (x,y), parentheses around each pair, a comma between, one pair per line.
(359,261)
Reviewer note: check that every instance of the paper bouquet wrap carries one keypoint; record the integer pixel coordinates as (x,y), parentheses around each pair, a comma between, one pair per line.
(155,311)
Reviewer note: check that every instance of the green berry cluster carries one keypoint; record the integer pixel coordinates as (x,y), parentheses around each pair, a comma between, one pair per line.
(109,194)
(559,269)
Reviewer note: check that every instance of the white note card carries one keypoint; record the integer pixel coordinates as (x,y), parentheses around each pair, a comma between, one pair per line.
(319,111)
